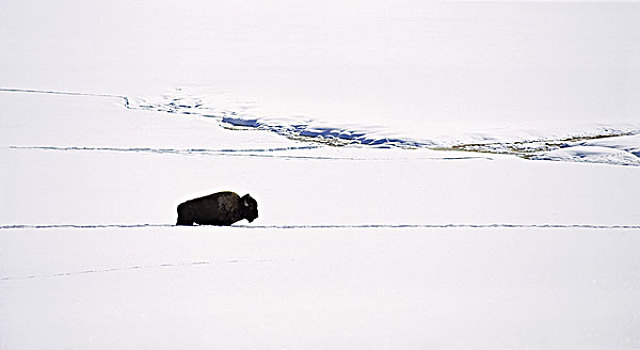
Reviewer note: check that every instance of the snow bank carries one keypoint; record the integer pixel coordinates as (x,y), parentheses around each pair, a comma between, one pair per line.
(591,154)
(531,142)
(630,144)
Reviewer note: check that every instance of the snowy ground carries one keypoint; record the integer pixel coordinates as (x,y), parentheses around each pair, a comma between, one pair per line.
(168,288)
(355,247)
(484,194)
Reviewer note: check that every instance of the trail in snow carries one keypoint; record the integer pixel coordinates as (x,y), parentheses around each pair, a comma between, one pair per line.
(254,152)
(165,150)
(338,226)
(77,226)
(436,226)
(68,93)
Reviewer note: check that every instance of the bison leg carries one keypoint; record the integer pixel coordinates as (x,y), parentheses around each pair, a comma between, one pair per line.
(184,216)
(183,222)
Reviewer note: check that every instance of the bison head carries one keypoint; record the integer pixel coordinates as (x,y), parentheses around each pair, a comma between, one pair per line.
(249,207)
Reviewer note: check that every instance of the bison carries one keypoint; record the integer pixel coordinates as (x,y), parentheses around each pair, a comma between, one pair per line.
(221,209)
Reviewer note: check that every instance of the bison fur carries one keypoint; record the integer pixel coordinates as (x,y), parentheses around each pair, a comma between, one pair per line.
(221,209)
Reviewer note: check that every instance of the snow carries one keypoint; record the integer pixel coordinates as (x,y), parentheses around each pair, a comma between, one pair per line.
(532,142)
(354,247)
(593,154)
(626,143)
(428,174)
(244,287)
(443,72)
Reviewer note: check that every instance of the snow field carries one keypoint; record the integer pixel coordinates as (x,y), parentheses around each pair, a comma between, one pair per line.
(355,247)
(206,287)
(81,187)
(311,272)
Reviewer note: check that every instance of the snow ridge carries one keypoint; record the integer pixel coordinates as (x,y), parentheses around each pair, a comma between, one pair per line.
(231,112)
(294,128)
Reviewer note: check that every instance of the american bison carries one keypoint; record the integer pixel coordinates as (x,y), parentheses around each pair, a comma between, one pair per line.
(221,209)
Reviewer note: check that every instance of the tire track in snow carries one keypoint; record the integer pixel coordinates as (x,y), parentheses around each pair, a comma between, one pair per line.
(128,268)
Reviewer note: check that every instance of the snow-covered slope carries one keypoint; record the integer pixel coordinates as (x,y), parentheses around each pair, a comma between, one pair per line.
(542,140)
(592,154)
(405,73)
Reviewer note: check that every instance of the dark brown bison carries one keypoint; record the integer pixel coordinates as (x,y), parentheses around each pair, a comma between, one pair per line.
(221,209)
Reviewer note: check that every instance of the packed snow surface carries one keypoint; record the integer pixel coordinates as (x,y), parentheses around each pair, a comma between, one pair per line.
(245,287)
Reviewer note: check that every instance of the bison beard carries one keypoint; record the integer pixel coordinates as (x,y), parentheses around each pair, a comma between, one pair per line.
(221,209)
